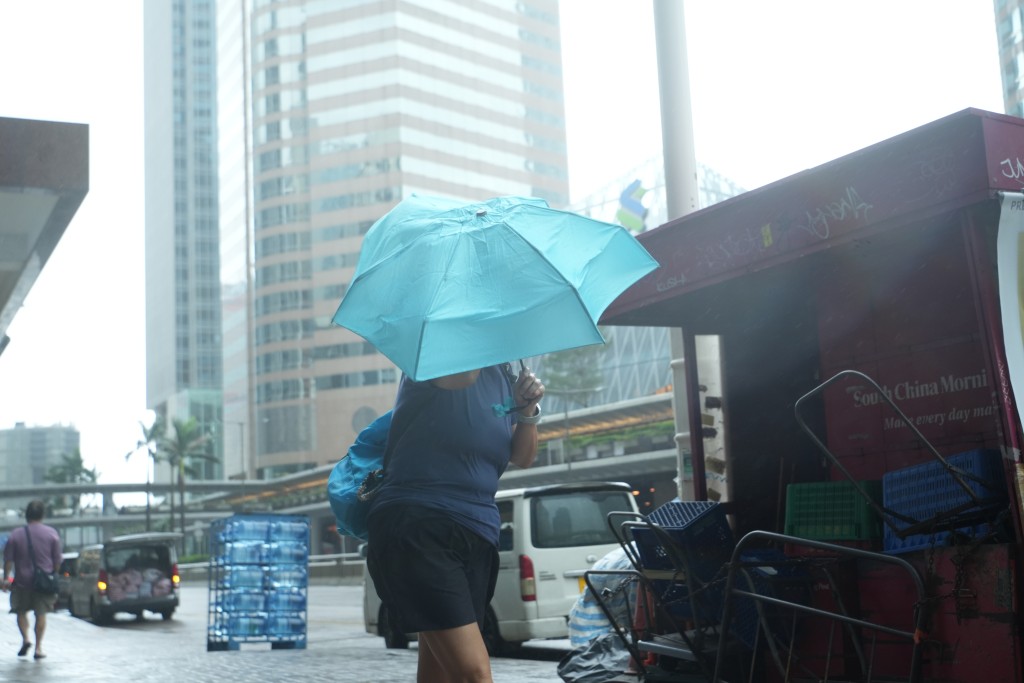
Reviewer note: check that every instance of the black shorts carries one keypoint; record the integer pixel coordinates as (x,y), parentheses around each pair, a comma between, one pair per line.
(433,572)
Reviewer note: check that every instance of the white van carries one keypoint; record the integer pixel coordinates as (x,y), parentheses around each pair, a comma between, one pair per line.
(132,573)
(550,535)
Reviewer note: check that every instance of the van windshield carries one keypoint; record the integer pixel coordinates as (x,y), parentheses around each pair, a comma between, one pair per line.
(575,518)
(139,558)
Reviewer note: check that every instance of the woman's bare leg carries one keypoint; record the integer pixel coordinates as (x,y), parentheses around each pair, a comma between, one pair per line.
(455,655)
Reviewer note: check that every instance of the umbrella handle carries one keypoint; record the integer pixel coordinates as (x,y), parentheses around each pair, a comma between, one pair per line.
(513,379)
(522,370)
(500,410)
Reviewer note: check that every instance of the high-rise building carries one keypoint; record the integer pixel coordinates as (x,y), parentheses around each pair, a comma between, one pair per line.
(27,453)
(183,309)
(1010,34)
(341,108)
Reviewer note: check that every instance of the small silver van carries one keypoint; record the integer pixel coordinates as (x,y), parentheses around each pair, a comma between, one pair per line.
(550,536)
(68,568)
(130,574)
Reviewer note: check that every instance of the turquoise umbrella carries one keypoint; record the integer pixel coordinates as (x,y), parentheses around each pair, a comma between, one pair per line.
(443,287)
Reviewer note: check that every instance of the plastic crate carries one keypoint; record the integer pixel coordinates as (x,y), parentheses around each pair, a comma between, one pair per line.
(701,542)
(923,491)
(773,577)
(700,534)
(834,511)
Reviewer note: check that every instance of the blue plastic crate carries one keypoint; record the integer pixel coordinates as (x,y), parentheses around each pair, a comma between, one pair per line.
(701,541)
(699,531)
(923,491)
(777,576)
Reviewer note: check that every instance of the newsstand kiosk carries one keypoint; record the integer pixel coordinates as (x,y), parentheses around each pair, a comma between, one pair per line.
(853,331)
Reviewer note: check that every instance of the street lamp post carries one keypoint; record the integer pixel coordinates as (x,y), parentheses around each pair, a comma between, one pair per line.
(149,495)
(566,395)
(149,446)
(242,460)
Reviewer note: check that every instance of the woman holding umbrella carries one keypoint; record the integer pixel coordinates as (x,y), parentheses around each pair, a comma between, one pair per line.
(433,524)
(441,288)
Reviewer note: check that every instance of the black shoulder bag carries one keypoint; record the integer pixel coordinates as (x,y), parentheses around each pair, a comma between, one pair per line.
(42,582)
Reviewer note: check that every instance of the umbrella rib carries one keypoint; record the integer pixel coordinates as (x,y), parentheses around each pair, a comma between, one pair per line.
(433,299)
(575,290)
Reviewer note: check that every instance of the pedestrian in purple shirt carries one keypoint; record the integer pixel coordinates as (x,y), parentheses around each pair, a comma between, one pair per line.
(46,550)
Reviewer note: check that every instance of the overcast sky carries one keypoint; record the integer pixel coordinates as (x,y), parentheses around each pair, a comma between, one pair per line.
(776,87)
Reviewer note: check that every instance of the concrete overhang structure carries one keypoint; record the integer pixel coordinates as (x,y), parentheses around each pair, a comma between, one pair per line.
(44,176)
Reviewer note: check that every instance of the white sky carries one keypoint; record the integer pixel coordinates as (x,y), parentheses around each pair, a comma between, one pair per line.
(776,88)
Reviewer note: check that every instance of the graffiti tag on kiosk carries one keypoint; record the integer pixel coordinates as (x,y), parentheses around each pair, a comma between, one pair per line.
(847,207)
(1013,169)
(747,243)
(671,282)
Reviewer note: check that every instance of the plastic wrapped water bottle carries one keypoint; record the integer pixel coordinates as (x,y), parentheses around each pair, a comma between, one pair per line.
(242,600)
(248,625)
(219,628)
(242,577)
(285,601)
(287,576)
(285,625)
(244,552)
(287,552)
(290,530)
(242,529)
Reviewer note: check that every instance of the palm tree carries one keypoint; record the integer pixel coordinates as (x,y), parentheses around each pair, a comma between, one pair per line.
(72,470)
(149,443)
(185,444)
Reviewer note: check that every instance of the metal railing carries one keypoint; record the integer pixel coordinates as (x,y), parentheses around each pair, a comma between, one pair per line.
(332,566)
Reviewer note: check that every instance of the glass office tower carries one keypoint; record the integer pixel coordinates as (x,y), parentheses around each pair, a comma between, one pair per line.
(351,106)
(183,336)
(1010,34)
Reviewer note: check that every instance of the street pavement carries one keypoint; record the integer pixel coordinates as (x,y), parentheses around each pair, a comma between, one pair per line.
(337,649)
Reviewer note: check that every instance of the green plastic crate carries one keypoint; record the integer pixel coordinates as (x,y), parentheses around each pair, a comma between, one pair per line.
(833,511)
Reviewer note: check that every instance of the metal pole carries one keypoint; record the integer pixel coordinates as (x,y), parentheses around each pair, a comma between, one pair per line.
(680,183)
(149,462)
(676,116)
(565,440)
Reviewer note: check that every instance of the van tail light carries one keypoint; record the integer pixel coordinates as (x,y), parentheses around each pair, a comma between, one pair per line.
(175,578)
(527,580)
(101,582)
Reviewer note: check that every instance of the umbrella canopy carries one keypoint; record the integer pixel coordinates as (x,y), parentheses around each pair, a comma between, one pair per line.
(444,287)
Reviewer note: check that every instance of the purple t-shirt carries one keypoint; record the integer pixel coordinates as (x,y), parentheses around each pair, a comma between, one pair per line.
(452,446)
(45,546)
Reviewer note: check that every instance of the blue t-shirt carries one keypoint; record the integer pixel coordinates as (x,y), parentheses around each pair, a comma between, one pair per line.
(451,447)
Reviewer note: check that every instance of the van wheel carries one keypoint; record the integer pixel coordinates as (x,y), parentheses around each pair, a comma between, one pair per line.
(167,614)
(496,645)
(97,616)
(387,627)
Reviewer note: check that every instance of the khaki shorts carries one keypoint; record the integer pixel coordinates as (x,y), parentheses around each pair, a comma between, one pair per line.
(27,600)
